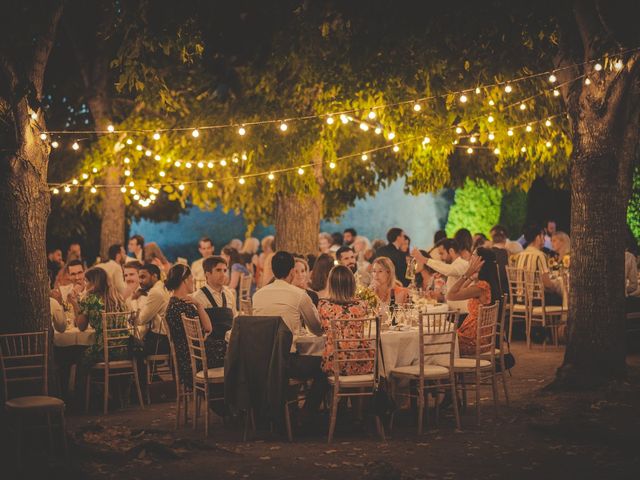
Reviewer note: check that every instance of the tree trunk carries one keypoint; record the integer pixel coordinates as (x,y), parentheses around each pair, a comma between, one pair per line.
(297,222)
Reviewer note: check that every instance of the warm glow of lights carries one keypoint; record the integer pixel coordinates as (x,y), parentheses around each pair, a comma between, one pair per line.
(242,131)
(43,136)
(523,106)
(111,129)
(330,120)
(200,164)
(364,127)
(344,119)
(391,136)
(93,190)
(598,67)
(510,132)
(55,144)
(426,140)
(496,151)
(139,148)
(148,153)
(235,160)
(209,184)
(469,150)
(181,187)
(127,160)
(75,146)
(371,115)
(458,130)
(74,181)
(55,191)
(127,173)
(332,165)
(556,93)
(378,130)
(156,136)
(94,170)
(473,139)
(223,162)
(463,99)
(396,148)
(157,158)
(34,116)
(618,65)
(123,189)
(490,119)
(548,123)
(492,103)
(528,128)
(364,157)
(491,136)
(523,149)
(508,89)
(85,176)
(283,127)
(271,176)
(188,164)
(162,174)
(177,163)
(136,197)
(417,107)
(552,78)
(131,183)
(548,144)
(477,90)
(129,141)
(241,181)
(587,81)
(300,171)
(195,133)
(67,189)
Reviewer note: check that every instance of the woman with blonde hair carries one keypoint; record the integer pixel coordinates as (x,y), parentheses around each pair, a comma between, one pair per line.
(561,244)
(324,242)
(263,270)
(301,278)
(153,254)
(384,283)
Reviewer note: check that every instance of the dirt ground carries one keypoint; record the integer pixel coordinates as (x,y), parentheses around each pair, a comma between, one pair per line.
(540,435)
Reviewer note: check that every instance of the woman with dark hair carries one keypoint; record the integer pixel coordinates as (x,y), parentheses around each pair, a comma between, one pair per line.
(320,274)
(480,289)
(237,267)
(465,242)
(180,283)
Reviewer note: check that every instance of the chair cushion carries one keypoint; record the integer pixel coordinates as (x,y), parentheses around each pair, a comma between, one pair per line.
(34,402)
(469,363)
(213,374)
(115,364)
(430,371)
(354,380)
(518,307)
(549,309)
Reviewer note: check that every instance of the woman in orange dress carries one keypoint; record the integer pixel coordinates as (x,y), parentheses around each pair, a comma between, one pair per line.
(480,289)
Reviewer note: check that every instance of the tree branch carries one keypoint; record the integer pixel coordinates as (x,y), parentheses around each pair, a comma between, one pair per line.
(42,49)
(588,25)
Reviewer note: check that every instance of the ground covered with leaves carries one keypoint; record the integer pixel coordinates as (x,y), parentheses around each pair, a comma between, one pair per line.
(542,434)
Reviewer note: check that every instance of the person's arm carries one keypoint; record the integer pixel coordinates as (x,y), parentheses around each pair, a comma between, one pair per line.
(309,315)
(447,269)
(57,316)
(152,307)
(205,321)
(119,281)
(462,289)
(235,279)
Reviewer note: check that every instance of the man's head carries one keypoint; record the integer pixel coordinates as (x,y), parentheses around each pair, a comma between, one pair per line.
(131,276)
(136,244)
(149,274)
(337,239)
(349,235)
(215,271)
(498,234)
(116,253)
(534,235)
(464,239)
(396,236)
(282,265)
(347,257)
(551,227)
(74,252)
(75,270)
(450,250)
(205,247)
(55,255)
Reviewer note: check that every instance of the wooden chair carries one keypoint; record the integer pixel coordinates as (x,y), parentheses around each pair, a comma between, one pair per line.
(245,287)
(203,377)
(550,316)
(296,388)
(182,396)
(435,370)
(24,360)
(517,303)
(157,364)
(480,368)
(361,351)
(116,330)
(503,349)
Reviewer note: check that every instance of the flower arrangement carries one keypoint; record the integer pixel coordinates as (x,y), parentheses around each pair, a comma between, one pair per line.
(566,261)
(368,296)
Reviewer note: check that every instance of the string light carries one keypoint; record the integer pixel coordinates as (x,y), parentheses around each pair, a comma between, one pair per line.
(426,140)
(523,149)
(241,181)
(552,78)
(85,176)
(396,148)
(492,103)
(458,130)
(195,133)
(129,141)
(548,144)
(188,164)
(391,136)
(371,115)
(243,157)
(67,189)
(330,120)
(597,67)
(364,127)
(127,160)
(210,165)
(139,148)
(177,163)
(490,119)
(55,144)
(75,146)
(127,173)
(34,116)
(587,81)
(200,164)
(618,65)
(161,173)
(491,136)
(131,183)
(332,165)
(463,99)
(43,136)
(523,106)
(496,151)
(364,157)
(148,153)
(477,90)
(473,139)
(136,197)
(223,162)
(528,128)
(300,171)
(55,191)
(271,176)
(157,158)
(417,107)
(510,132)
(93,190)
(110,129)
(181,187)
(156,136)
(123,189)
(547,123)
(209,184)
(556,93)
(508,89)
(283,127)
(74,181)
(469,150)
(94,170)
(235,160)
(378,130)
(344,119)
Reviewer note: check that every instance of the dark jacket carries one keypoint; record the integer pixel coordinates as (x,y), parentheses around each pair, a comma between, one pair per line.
(255,368)
(398,258)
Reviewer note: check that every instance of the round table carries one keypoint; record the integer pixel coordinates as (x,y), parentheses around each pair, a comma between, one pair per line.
(73,336)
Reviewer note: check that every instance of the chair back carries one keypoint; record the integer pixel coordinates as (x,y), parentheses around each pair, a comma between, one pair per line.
(486,329)
(437,338)
(172,348)
(534,288)
(245,307)
(245,287)
(352,348)
(501,334)
(23,360)
(117,327)
(517,286)
(502,261)
(197,350)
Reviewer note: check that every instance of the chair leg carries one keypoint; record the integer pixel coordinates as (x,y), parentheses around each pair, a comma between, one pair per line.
(510,325)
(178,403)
(334,414)
(454,393)
(137,380)
(528,330)
(185,409)
(287,420)
(494,387)
(380,428)
(206,411)
(147,389)
(63,429)
(505,382)
(195,407)
(106,392)
(87,393)
(477,386)
(420,408)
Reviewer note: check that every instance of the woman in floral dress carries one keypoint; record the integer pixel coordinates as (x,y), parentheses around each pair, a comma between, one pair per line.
(342,304)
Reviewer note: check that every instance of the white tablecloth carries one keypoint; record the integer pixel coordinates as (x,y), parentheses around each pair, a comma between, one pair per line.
(73,336)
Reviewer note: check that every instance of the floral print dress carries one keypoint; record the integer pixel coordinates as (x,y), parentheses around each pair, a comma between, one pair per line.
(329,311)
(467,333)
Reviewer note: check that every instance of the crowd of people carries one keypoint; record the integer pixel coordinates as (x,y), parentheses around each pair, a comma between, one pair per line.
(306,291)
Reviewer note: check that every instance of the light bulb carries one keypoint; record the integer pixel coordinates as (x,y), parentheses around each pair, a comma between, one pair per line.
(85,176)
(523,106)
(528,128)
(548,123)
(364,157)
(243,157)
(67,189)
(223,162)
(75,146)
(136,197)
(195,133)
(161,173)
(492,103)
(491,136)
(371,115)
(43,136)
(139,148)
(93,190)
(55,191)
(74,181)
(556,93)
(157,158)
(496,151)
(34,116)
(510,132)
(552,78)
(181,187)
(129,141)
(458,130)
(463,99)
(131,183)
(55,144)
(209,184)
(300,171)
(477,90)
(188,164)
(156,136)
(473,139)
(152,197)
(210,165)
(587,81)
(177,163)
(490,119)
(242,131)
(469,150)
(508,89)
(548,144)
(123,189)
(241,180)
(148,153)
(127,173)
(396,148)
(283,127)
(598,67)
(344,119)
(417,107)
(618,65)
(523,149)
(455,142)
(235,160)
(127,160)
(200,164)
(378,130)
(426,140)
(271,176)
(330,120)
(364,127)
(332,165)
(110,129)
(391,136)
(94,170)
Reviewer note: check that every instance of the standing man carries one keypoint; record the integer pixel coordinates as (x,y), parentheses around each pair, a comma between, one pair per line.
(396,238)
(113,267)
(206,249)
(349,236)
(136,247)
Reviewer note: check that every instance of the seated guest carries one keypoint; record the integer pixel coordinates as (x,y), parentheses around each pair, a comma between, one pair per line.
(347,257)
(533,260)
(113,267)
(74,252)
(54,264)
(438,238)
(293,305)
(342,304)
(218,300)
(180,283)
(136,248)
(58,318)
(320,273)
(206,249)
(263,271)
(324,243)
(396,239)
(131,277)
(500,239)
(238,270)
(336,242)
(480,240)
(150,303)
(465,243)
(301,279)
(76,286)
(249,252)
(153,254)
(235,243)
(561,244)
(384,283)
(477,290)
(349,236)
(430,281)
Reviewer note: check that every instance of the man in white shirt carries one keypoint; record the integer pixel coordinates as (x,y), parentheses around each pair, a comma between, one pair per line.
(215,270)
(206,249)
(75,272)
(131,277)
(294,306)
(150,302)
(532,259)
(451,265)
(113,267)
(136,247)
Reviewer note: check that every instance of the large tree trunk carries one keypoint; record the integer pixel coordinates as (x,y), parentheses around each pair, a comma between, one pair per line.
(297,222)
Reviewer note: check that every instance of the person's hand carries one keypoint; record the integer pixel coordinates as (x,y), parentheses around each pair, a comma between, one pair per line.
(415,253)
(475,264)
(136,294)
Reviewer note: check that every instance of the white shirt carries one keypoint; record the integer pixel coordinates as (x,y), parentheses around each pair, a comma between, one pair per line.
(151,308)
(58,318)
(197,270)
(292,304)
(229,294)
(453,271)
(65,291)
(115,275)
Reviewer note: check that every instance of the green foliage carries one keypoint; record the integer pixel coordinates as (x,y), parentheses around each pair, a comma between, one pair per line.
(476,208)
(513,211)
(633,211)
